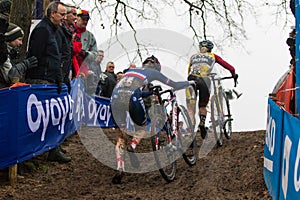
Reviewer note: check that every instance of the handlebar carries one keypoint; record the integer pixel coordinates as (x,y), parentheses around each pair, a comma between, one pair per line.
(235,77)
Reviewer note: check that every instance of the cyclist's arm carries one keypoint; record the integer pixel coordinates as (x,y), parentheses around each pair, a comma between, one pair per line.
(176,85)
(225,64)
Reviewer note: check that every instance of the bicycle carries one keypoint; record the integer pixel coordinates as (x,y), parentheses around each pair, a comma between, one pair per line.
(169,141)
(221,117)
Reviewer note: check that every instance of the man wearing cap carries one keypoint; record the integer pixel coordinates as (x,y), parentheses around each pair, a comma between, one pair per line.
(89,49)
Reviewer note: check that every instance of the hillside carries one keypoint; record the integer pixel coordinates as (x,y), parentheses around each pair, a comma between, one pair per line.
(234,171)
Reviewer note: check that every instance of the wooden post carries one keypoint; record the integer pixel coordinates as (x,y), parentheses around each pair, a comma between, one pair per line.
(12,175)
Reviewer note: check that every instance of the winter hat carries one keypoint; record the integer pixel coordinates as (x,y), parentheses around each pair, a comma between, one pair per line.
(13,32)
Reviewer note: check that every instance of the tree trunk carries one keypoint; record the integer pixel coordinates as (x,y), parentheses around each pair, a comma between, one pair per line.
(21,14)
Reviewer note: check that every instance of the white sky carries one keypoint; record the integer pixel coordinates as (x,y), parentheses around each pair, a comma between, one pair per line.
(259,69)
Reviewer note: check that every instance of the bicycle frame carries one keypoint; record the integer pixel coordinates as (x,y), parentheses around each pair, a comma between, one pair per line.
(173,145)
(219,99)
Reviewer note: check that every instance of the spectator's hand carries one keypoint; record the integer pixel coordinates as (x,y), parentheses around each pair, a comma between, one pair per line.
(59,87)
(32,62)
(235,78)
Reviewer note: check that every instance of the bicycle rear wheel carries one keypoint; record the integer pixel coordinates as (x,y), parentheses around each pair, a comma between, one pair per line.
(216,120)
(227,129)
(186,136)
(164,154)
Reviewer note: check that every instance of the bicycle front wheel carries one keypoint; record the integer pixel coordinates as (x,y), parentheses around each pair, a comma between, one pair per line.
(216,120)
(163,149)
(227,115)
(186,136)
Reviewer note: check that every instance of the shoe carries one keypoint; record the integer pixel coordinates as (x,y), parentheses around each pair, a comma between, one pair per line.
(56,155)
(133,158)
(117,177)
(202,130)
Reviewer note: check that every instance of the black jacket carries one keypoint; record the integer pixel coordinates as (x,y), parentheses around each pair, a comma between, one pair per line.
(106,84)
(43,45)
(64,39)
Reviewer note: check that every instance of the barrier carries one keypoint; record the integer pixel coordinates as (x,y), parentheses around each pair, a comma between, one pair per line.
(282,154)
(35,119)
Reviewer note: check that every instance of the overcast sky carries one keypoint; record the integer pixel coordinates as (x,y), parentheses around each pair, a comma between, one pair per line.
(266,59)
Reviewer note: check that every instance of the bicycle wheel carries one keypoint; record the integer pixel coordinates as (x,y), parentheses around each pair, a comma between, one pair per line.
(186,136)
(216,120)
(227,128)
(164,153)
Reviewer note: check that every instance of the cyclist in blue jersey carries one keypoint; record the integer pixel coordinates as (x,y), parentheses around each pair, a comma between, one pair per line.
(128,99)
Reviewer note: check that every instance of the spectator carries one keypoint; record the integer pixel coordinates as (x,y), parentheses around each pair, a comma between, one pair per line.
(88,42)
(44,44)
(94,73)
(291,42)
(12,71)
(119,76)
(107,82)
(65,37)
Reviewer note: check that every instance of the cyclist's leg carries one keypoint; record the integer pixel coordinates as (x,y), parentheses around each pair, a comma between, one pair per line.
(138,115)
(204,94)
(119,150)
(191,98)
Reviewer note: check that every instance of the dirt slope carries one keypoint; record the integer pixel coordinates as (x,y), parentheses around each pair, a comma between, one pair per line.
(234,171)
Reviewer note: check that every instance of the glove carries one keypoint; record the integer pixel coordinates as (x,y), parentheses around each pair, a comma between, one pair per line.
(31,62)
(235,77)
(59,87)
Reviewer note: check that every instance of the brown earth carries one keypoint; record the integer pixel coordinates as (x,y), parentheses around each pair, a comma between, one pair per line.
(234,171)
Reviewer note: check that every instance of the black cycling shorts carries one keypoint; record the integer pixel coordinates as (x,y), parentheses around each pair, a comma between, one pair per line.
(202,88)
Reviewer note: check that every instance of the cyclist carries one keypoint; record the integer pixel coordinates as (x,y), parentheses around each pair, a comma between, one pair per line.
(200,65)
(129,99)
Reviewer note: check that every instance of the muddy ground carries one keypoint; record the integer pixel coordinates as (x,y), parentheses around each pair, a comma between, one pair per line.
(234,171)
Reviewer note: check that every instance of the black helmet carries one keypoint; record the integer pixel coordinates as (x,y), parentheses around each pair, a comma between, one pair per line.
(206,43)
(154,63)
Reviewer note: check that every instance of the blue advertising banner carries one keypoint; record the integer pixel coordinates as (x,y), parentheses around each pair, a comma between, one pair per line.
(35,119)
(97,111)
(272,149)
(290,172)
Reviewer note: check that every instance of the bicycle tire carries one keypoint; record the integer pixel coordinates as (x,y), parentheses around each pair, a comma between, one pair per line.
(187,137)
(227,128)
(165,159)
(216,121)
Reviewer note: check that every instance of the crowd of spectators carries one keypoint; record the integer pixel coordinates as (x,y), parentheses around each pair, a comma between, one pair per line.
(60,48)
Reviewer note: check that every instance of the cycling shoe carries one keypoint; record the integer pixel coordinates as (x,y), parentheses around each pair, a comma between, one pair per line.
(118,177)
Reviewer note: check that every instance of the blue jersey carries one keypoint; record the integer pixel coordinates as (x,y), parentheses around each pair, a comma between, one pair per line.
(128,94)
(138,77)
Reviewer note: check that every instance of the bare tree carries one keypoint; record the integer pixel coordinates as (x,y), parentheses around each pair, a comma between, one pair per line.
(21,14)
(205,18)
